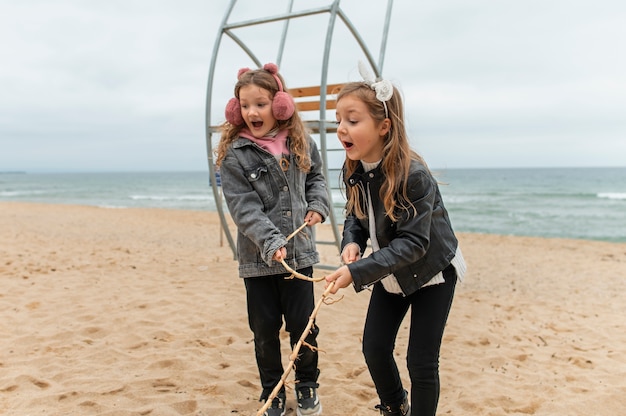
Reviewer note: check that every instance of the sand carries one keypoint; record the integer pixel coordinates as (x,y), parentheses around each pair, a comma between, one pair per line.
(141,312)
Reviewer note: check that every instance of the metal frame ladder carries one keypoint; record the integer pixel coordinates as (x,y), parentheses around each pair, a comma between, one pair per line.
(319,126)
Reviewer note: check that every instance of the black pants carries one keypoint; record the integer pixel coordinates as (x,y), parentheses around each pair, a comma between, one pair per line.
(429,312)
(270,298)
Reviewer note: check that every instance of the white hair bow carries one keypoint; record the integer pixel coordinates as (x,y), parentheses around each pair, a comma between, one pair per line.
(383,87)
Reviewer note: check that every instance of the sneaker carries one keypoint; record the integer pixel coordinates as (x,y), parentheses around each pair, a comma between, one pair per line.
(277,408)
(308,401)
(403,409)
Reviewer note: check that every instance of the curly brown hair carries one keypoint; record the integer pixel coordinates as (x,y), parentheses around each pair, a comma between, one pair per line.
(298,135)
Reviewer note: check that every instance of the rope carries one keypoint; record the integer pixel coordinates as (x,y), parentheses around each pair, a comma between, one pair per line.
(292,271)
(307,330)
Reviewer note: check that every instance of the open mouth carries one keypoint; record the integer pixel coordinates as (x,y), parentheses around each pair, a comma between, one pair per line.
(347,145)
(257,124)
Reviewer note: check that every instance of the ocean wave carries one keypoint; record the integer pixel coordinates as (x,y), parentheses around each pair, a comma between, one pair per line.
(171,197)
(612,195)
(10,194)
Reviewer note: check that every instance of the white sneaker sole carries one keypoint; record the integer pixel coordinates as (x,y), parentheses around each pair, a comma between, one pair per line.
(309,412)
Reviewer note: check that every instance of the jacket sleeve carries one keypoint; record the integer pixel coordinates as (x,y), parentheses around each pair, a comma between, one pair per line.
(316,186)
(410,239)
(246,209)
(353,232)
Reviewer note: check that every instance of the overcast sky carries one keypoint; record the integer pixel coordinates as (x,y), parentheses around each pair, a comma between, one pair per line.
(121,85)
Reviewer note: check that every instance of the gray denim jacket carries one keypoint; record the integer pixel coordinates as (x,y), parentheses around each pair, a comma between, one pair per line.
(268,204)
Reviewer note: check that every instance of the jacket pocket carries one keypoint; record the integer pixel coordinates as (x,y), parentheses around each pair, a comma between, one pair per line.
(259,179)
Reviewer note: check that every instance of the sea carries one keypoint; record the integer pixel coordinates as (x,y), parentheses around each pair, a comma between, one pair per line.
(579,203)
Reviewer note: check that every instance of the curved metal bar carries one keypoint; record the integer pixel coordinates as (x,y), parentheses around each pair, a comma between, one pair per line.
(243,46)
(209,133)
(383,42)
(322,118)
(283,37)
(226,28)
(276,18)
(361,42)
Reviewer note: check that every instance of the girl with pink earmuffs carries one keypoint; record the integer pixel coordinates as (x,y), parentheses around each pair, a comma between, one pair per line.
(272,182)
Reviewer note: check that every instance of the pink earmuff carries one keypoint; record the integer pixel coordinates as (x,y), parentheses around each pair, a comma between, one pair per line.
(233,108)
(233,112)
(283,105)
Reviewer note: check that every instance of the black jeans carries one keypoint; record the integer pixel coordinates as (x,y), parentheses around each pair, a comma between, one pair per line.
(429,312)
(269,299)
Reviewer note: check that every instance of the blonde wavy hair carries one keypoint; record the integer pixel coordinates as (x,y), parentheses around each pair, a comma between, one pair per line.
(298,135)
(397,155)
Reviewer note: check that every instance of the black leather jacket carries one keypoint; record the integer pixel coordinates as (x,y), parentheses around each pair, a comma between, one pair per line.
(415,247)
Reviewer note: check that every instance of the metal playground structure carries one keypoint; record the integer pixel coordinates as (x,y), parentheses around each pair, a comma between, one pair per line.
(315,103)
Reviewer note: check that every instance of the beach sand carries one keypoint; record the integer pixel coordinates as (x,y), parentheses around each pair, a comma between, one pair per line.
(141,312)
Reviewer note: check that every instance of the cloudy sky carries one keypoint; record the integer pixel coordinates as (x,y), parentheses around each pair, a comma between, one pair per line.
(122,85)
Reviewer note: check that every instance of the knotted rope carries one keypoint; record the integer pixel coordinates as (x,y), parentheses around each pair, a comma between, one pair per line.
(301,341)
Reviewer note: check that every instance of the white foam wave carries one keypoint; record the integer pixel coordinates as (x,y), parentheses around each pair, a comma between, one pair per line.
(20,193)
(171,197)
(612,195)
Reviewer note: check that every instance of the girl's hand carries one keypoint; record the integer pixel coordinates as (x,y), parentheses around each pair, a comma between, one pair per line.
(279,254)
(351,253)
(342,278)
(312,218)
